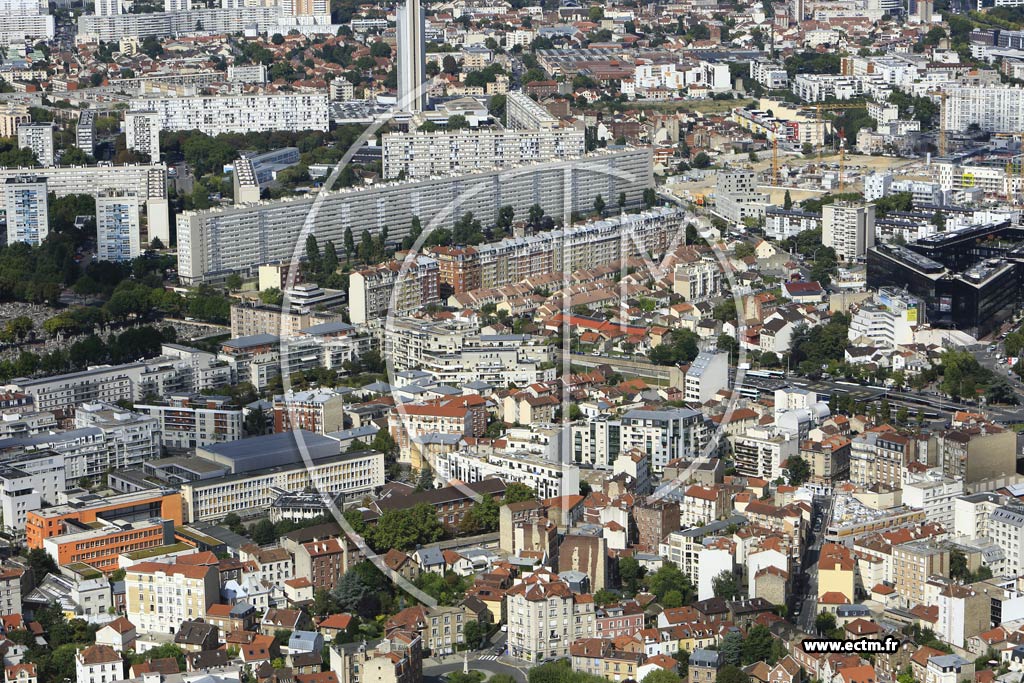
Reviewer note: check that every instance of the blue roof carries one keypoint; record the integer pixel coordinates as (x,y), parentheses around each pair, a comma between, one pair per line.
(273,450)
(252,340)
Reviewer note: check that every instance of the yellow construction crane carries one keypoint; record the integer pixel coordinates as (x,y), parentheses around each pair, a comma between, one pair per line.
(818,110)
(942,119)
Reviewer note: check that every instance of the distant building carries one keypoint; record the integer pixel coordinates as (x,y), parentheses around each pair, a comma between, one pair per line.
(27,213)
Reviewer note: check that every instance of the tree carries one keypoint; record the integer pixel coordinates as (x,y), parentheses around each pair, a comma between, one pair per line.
(599,205)
(41,564)
(731,674)
(263,532)
(799,471)
(517,493)
(758,645)
(650,197)
(661,676)
(702,160)
(787,201)
(406,529)
(350,244)
(255,422)
(825,623)
(732,648)
(277,39)
(234,282)
(724,586)
(474,634)
(234,523)
(631,572)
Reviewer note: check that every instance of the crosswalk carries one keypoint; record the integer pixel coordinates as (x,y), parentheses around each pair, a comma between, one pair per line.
(487,658)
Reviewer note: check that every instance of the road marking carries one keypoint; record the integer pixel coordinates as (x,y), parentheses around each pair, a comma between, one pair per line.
(488,658)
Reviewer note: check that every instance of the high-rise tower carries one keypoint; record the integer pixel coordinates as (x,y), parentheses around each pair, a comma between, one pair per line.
(412,56)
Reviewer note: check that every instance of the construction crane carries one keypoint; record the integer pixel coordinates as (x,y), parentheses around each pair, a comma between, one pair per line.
(942,119)
(842,159)
(818,111)
(775,155)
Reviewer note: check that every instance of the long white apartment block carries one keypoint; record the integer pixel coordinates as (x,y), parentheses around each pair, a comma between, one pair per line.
(217,242)
(148,181)
(215,115)
(523,113)
(425,155)
(94,27)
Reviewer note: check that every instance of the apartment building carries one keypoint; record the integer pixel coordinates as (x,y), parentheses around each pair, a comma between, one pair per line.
(247,236)
(993,109)
(37,137)
(179,368)
(829,459)
(85,131)
(581,247)
(14,582)
(544,617)
(524,113)
(706,375)
(118,226)
(887,324)
(849,228)
(324,562)
(222,114)
(187,422)
(219,20)
(398,658)
(49,522)
(462,415)
(837,572)
(393,288)
(142,133)
(318,410)
(913,564)
(130,438)
(936,497)
(697,280)
(1006,528)
(547,476)
(455,353)
(975,453)
(26,209)
(12,116)
(426,155)
(148,181)
(771,75)
(26,485)
(98,664)
(159,597)
(664,434)
(596,442)
(249,318)
(101,547)
(441,628)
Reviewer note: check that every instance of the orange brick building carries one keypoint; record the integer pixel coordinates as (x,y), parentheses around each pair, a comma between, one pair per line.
(100,547)
(47,523)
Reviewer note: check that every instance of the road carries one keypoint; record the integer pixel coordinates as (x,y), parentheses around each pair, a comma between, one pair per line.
(486,660)
(809,606)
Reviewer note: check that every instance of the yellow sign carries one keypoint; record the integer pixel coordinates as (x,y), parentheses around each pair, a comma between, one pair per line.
(912,316)
(967,180)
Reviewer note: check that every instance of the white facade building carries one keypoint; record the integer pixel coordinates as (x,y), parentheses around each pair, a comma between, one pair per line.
(27,211)
(118,226)
(425,155)
(215,115)
(37,137)
(848,228)
(142,133)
